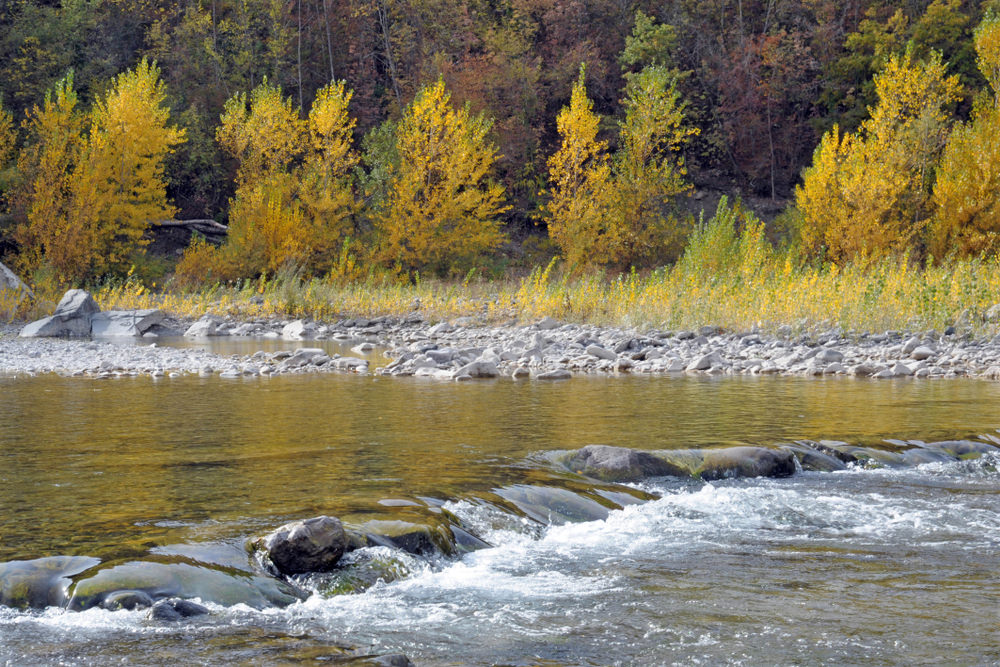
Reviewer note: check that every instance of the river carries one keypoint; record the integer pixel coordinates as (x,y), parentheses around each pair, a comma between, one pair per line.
(889,566)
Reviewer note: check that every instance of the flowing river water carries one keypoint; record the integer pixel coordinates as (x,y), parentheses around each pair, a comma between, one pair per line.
(887,566)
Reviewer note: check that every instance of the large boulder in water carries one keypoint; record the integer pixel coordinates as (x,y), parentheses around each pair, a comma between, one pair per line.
(71,318)
(313,545)
(179,580)
(40,583)
(746,462)
(619,464)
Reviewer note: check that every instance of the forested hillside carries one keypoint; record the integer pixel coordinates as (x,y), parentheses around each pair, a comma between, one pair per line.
(748,88)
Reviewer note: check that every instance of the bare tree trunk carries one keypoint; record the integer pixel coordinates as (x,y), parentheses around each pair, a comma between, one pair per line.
(299,51)
(329,42)
(383,18)
(770,145)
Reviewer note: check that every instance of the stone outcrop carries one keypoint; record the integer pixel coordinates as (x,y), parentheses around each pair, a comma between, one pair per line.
(77,314)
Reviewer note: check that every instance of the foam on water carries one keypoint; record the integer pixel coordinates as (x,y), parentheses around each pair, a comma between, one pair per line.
(661,574)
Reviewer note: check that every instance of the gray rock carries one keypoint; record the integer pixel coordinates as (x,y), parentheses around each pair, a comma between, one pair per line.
(910,345)
(921,352)
(619,464)
(479,369)
(704,362)
(520,373)
(601,352)
(547,324)
(207,325)
(865,370)
(557,374)
(440,328)
(297,330)
(175,610)
(71,318)
(829,356)
(313,545)
(132,323)
(9,282)
(349,364)
(902,370)
(993,313)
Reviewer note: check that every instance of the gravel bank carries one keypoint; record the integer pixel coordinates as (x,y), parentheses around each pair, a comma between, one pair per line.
(545,350)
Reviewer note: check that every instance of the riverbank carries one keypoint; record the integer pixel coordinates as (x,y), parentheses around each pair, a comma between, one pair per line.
(466,349)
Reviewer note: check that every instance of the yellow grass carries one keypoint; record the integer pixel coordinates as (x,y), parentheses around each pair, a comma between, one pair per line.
(736,281)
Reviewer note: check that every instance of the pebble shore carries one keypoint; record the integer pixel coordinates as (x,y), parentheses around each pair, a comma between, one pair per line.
(465,350)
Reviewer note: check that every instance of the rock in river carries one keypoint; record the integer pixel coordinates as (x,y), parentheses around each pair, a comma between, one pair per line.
(313,545)
(40,583)
(619,464)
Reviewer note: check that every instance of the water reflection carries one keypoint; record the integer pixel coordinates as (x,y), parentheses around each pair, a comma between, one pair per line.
(87,463)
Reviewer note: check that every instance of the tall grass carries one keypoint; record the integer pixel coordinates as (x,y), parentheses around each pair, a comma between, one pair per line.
(730,275)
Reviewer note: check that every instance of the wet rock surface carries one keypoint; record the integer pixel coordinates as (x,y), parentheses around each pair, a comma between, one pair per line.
(312,545)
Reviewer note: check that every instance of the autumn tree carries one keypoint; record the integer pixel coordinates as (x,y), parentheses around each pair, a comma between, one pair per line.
(967,220)
(443,207)
(618,210)
(44,204)
(129,141)
(93,183)
(868,194)
(294,202)
(579,177)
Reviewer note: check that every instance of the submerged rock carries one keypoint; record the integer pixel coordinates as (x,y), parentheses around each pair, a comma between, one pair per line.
(312,545)
(181,580)
(175,609)
(745,462)
(415,538)
(619,464)
(40,583)
(551,505)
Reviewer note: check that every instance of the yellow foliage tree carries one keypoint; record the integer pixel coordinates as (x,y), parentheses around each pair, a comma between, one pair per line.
(294,202)
(327,192)
(615,211)
(869,194)
(8,135)
(443,207)
(265,133)
(648,173)
(122,169)
(88,198)
(44,205)
(580,175)
(967,219)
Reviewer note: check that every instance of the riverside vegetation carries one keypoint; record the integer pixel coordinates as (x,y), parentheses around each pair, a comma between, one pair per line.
(893,226)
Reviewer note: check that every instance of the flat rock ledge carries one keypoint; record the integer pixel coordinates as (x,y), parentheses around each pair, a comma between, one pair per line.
(465,350)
